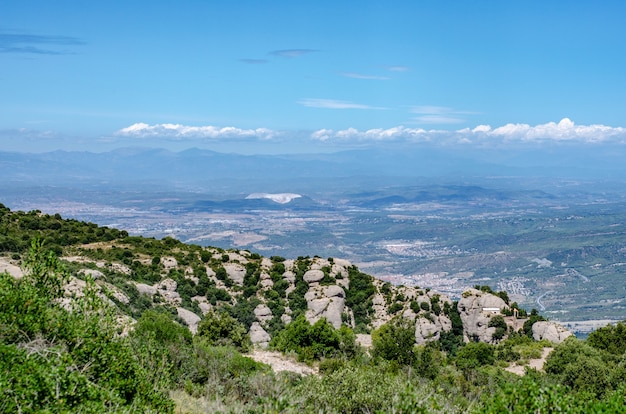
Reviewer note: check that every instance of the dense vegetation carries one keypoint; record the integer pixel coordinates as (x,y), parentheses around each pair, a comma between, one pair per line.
(74,355)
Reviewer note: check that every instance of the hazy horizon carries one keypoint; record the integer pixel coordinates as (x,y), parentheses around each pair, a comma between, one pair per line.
(285,78)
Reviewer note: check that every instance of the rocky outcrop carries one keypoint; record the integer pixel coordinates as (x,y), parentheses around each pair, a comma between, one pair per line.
(95,274)
(190,318)
(10,268)
(476,309)
(325,302)
(550,331)
(263,313)
(169,263)
(259,336)
(313,276)
(236,272)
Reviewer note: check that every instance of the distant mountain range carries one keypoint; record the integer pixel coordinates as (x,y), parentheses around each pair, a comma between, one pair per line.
(196,166)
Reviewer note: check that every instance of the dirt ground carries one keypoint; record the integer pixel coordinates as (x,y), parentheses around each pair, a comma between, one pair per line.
(279,362)
(532,363)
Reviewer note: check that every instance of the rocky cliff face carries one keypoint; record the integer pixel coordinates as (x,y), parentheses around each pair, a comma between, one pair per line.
(476,309)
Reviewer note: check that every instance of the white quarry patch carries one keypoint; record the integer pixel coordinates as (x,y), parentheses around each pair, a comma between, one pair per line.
(280,198)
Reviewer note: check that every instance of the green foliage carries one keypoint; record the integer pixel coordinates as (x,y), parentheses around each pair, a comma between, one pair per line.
(474,355)
(367,389)
(528,325)
(222,329)
(316,341)
(359,296)
(611,338)
(395,308)
(44,271)
(61,360)
(162,328)
(527,396)
(500,325)
(395,341)
(578,365)
(18,229)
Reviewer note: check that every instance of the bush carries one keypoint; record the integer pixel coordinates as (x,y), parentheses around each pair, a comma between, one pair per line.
(315,341)
(222,329)
(395,341)
(474,355)
(56,360)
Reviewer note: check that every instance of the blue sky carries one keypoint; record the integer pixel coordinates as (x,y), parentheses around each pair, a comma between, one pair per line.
(295,76)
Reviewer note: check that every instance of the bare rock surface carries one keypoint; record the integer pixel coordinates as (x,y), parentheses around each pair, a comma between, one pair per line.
(550,331)
(259,336)
(145,289)
(325,302)
(474,311)
(169,262)
(236,272)
(313,276)
(190,318)
(10,268)
(532,363)
(95,274)
(263,313)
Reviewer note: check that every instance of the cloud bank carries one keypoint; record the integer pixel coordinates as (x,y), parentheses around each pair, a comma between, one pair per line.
(561,132)
(184,132)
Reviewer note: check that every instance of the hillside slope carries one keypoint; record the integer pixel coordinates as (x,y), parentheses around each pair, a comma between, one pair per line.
(264,294)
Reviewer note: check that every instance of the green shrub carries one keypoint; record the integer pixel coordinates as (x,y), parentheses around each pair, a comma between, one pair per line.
(222,329)
(395,341)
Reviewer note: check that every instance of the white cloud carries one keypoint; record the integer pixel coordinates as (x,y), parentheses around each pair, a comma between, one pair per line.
(180,132)
(334,104)
(361,76)
(563,131)
(398,68)
(378,134)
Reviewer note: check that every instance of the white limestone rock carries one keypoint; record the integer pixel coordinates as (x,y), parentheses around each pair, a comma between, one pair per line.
(263,313)
(474,309)
(169,262)
(550,331)
(236,272)
(95,274)
(190,318)
(259,336)
(313,276)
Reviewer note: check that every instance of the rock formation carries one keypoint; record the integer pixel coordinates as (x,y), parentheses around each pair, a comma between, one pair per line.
(476,309)
(550,331)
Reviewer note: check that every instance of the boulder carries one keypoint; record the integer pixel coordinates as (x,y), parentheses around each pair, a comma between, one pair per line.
(145,289)
(262,313)
(426,331)
(550,331)
(259,336)
(236,272)
(313,276)
(10,268)
(325,302)
(95,274)
(190,318)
